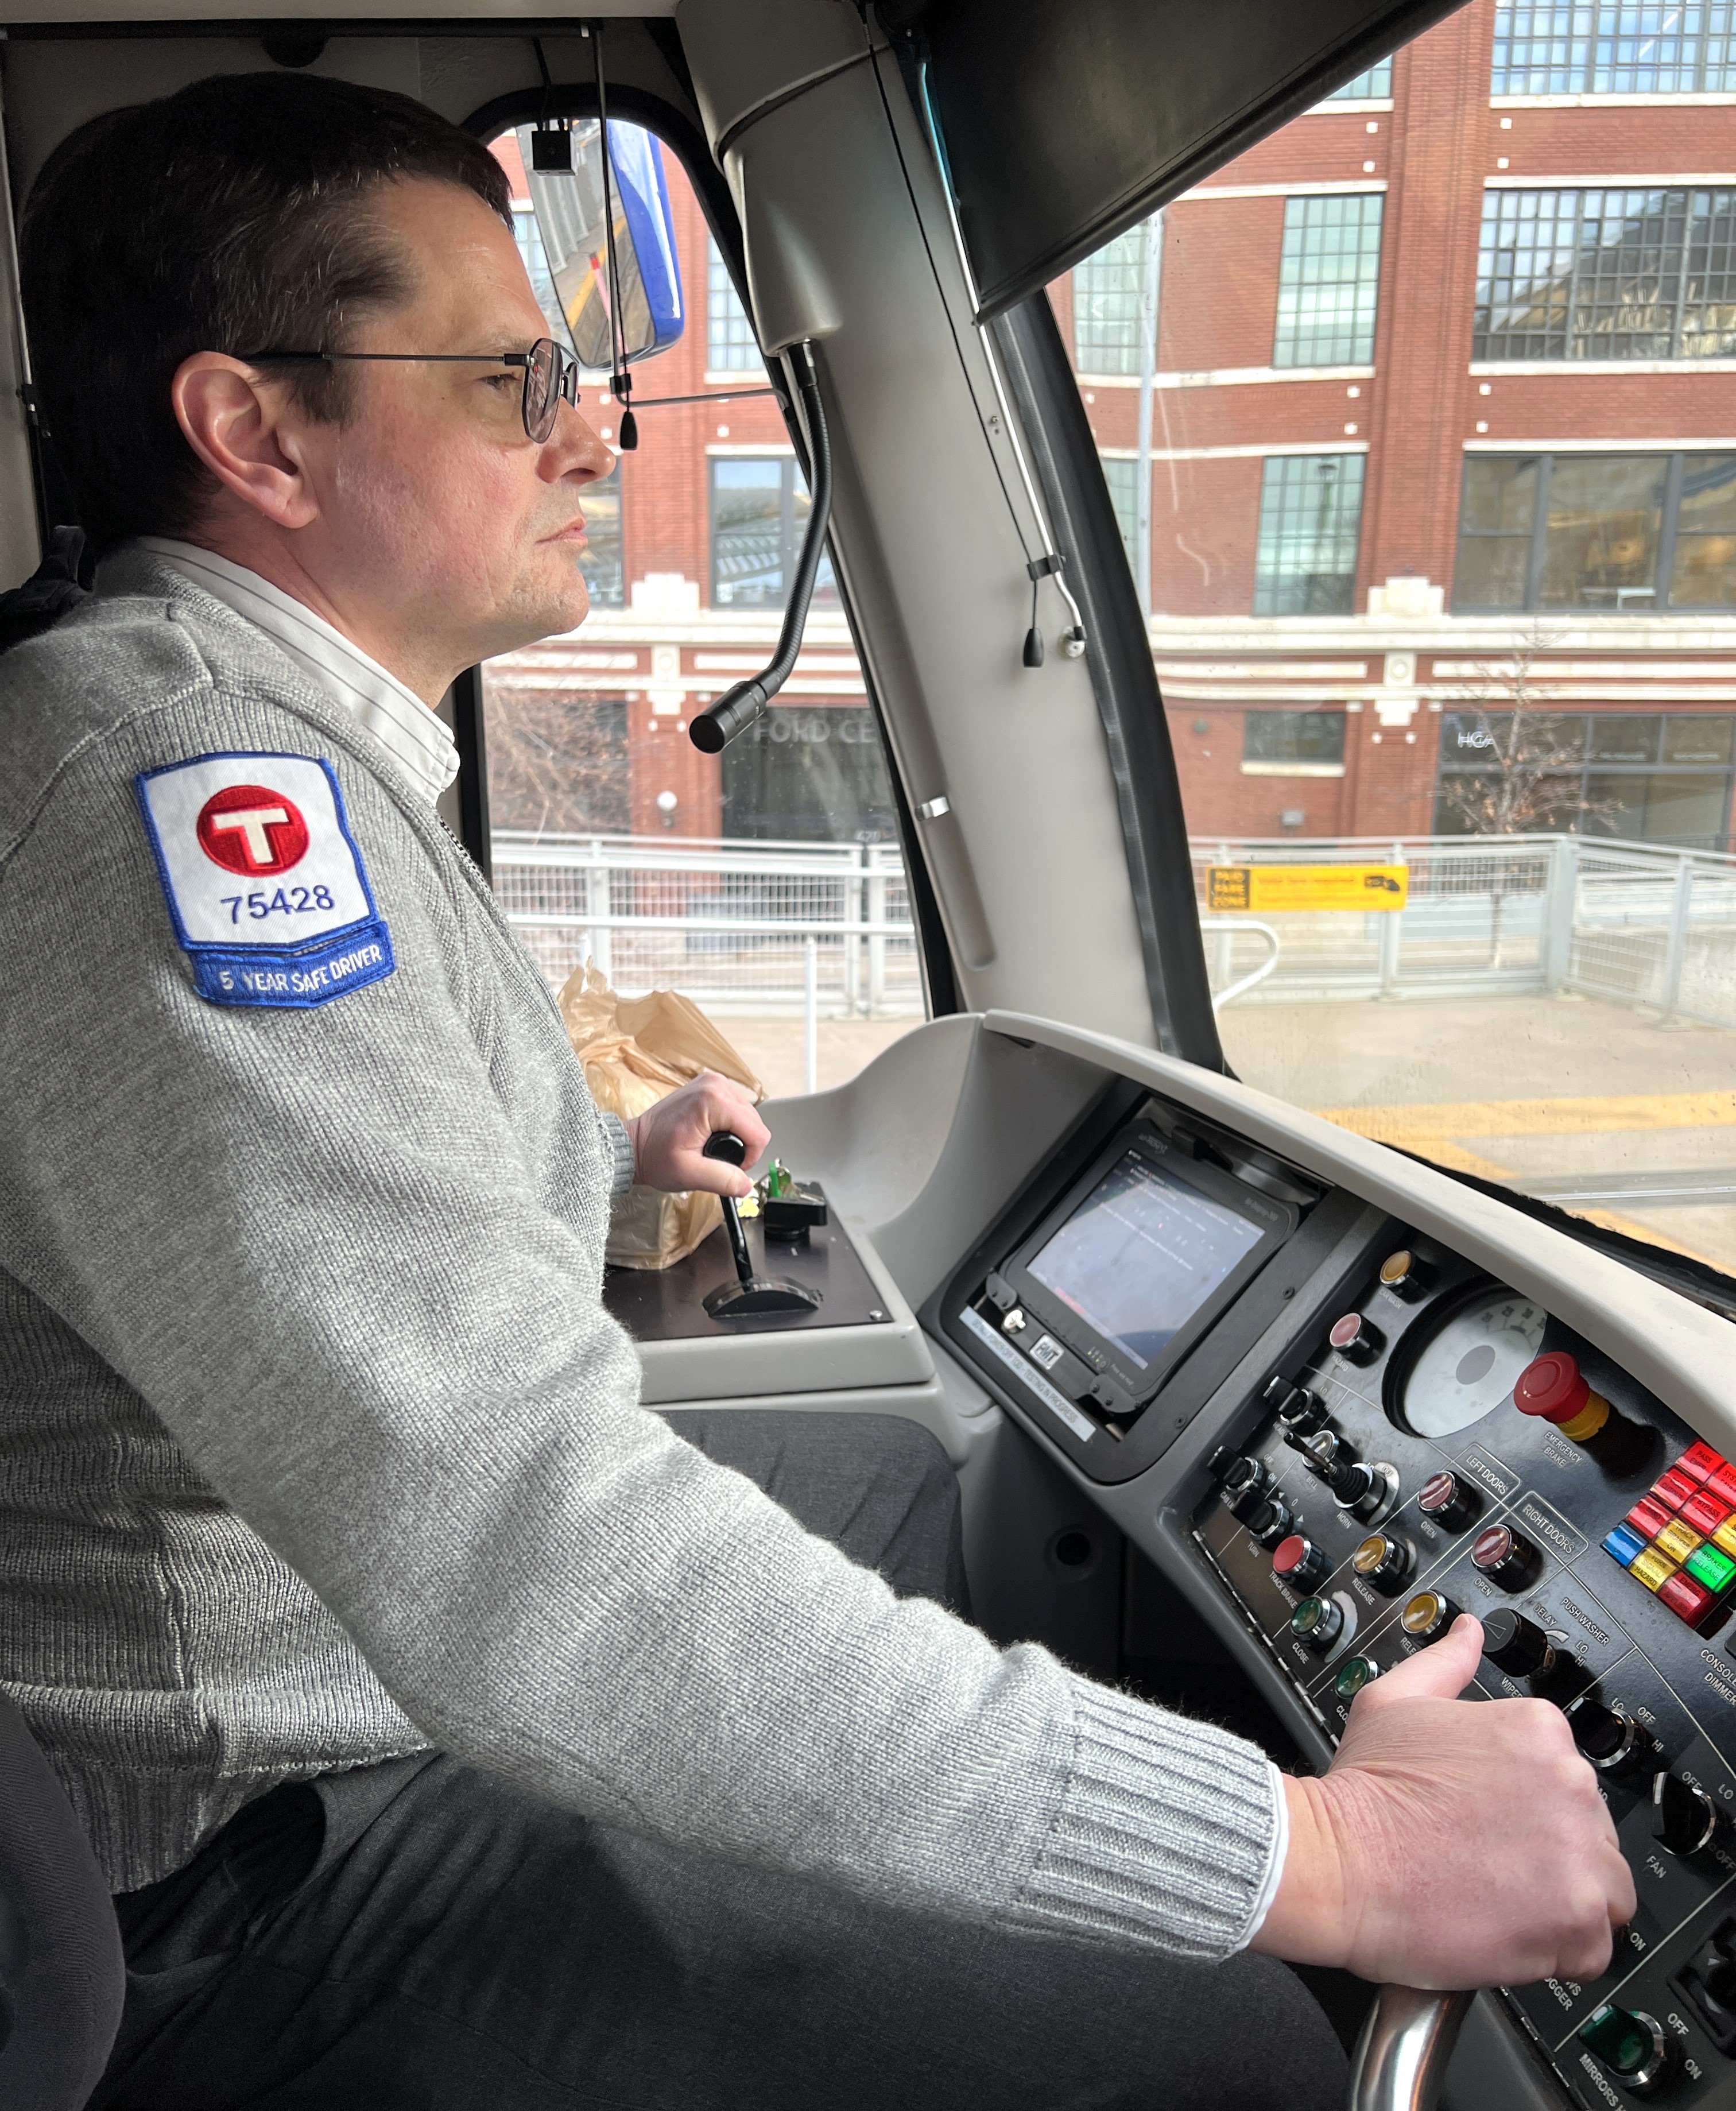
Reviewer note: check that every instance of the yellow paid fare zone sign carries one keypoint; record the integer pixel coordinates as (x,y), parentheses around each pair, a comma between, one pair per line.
(1259,889)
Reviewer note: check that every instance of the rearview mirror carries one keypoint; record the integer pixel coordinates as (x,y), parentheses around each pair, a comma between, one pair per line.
(568,205)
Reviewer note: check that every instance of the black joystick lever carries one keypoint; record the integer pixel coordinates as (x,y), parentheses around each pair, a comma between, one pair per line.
(749,1294)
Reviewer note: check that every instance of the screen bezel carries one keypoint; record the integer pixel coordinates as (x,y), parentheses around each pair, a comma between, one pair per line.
(1277,1221)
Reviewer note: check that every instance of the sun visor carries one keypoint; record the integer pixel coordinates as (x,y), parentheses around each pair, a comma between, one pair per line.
(1064,121)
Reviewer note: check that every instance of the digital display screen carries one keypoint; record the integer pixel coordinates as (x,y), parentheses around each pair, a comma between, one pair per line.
(1140,1255)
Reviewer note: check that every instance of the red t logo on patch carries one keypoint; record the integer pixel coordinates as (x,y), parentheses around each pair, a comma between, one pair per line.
(251,829)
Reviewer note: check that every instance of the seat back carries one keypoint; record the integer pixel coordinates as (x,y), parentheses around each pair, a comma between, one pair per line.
(62,1976)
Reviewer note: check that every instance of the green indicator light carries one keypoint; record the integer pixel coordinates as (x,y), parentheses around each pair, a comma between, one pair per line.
(1619,2040)
(1354,1676)
(1717,1571)
(1309,1616)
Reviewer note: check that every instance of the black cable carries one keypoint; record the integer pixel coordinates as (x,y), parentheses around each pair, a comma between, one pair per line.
(736,709)
(620,381)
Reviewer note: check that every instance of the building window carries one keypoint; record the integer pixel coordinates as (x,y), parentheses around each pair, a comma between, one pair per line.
(731,346)
(602,562)
(1658,777)
(1327,281)
(1122,477)
(1606,274)
(1618,534)
(809,773)
(1106,306)
(759,510)
(1311,514)
(1306,742)
(1375,85)
(1615,47)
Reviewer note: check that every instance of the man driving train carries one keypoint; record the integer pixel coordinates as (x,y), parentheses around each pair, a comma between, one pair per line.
(449,1728)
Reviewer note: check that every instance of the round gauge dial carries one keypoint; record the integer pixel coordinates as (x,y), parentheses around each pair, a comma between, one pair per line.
(1467,1369)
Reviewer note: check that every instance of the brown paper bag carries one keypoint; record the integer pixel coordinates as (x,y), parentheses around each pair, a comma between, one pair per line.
(635,1050)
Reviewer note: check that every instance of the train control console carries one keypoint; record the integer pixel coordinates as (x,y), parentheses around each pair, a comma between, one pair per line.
(1336,1433)
(1441,1444)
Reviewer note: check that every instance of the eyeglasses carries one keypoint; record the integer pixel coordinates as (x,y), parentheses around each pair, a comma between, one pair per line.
(551,375)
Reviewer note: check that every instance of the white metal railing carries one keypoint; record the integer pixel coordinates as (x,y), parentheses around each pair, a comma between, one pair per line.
(823,930)
(1638,923)
(805,930)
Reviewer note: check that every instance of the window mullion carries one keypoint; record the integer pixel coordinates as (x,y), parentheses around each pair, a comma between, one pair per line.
(1666,531)
(1539,532)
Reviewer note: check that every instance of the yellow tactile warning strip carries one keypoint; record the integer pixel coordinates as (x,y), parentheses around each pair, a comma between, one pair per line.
(1436,1132)
(1639,1111)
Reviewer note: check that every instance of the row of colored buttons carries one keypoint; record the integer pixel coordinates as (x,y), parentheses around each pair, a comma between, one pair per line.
(1679,1541)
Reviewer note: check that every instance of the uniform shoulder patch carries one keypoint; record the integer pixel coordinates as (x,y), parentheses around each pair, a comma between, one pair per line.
(264,882)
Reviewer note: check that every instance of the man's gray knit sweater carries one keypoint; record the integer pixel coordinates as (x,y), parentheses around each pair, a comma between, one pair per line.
(318,1447)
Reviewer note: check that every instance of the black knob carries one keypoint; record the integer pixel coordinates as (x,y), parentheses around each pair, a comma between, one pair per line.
(1356,1338)
(1404,1275)
(1517,1645)
(1294,1406)
(1384,1561)
(1273,1521)
(1317,1623)
(1449,1502)
(1428,1616)
(1613,1742)
(1299,1562)
(1504,1558)
(1629,2043)
(1684,1819)
(1244,1481)
(725,1144)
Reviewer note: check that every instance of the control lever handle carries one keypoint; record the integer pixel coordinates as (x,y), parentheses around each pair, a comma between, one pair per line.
(723,1143)
(1401,2056)
(750,1295)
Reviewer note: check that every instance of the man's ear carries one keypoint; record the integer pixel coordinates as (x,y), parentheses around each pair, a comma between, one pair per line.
(235,422)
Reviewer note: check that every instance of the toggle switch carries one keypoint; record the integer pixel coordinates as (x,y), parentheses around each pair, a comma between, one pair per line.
(1504,1558)
(1358,1340)
(1446,1500)
(1613,1742)
(1630,2044)
(1684,1819)
(1517,1645)
(1384,1561)
(1317,1623)
(1299,1562)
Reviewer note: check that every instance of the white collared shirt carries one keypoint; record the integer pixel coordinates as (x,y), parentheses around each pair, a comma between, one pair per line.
(415,737)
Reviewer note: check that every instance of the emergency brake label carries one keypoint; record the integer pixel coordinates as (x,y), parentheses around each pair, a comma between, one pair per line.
(264,882)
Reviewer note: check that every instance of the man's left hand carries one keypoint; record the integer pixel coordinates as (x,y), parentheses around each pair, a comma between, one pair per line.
(670,1138)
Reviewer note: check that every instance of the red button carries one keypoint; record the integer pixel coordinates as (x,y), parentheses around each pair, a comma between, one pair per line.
(1648,1518)
(1673,1489)
(1689,1601)
(1704,1512)
(1551,1386)
(1723,1485)
(1699,1462)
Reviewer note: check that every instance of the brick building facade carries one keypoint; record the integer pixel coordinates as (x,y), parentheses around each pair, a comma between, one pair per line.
(1442,429)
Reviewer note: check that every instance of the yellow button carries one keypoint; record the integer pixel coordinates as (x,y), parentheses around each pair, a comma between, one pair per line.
(1725,1537)
(1677,1540)
(1652,1569)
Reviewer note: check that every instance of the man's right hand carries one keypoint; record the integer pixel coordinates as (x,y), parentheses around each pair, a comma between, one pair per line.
(1453,1843)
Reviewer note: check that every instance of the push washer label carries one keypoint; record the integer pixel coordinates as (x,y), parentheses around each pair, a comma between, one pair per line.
(264,882)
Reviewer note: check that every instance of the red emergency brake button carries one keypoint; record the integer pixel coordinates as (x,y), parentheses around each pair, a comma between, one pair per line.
(1553,1388)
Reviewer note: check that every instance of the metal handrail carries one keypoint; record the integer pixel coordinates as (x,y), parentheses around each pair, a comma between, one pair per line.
(1248,982)
(1401,2056)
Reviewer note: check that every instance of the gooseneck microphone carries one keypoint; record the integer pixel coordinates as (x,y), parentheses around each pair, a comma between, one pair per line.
(712,730)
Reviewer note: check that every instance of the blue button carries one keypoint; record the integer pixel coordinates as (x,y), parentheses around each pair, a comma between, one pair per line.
(1623,1544)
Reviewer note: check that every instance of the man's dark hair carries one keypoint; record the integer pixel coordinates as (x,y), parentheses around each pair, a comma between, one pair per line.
(232,216)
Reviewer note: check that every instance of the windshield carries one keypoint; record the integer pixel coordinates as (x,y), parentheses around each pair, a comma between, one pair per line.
(1417,420)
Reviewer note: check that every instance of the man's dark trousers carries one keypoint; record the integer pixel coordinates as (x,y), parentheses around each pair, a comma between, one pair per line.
(417,1937)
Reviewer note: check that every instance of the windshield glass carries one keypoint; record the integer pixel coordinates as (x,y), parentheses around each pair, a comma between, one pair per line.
(1417,420)
(767,883)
